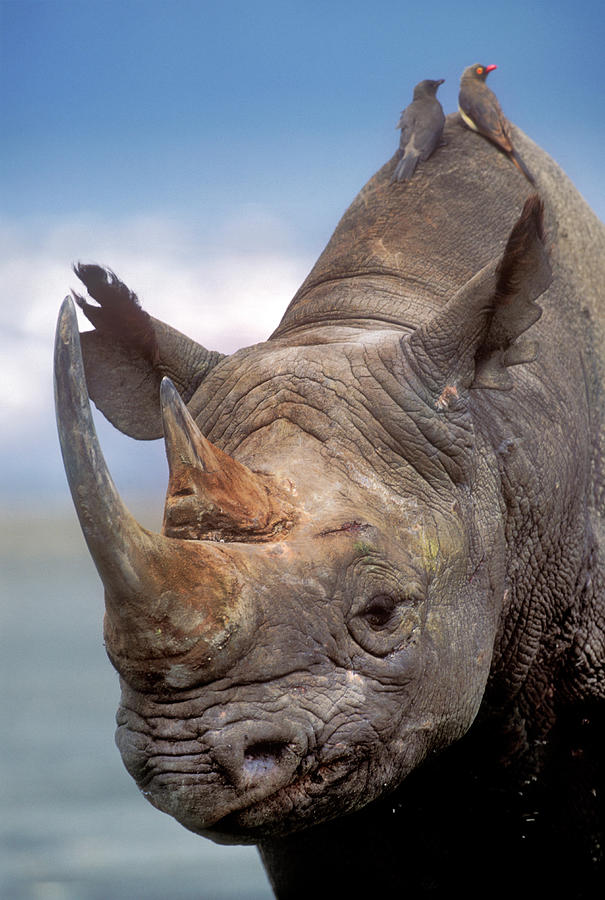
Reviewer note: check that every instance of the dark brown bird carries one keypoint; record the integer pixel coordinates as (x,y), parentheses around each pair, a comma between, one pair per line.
(421,126)
(481,111)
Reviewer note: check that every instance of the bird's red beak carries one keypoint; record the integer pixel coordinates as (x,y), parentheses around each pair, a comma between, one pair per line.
(490,68)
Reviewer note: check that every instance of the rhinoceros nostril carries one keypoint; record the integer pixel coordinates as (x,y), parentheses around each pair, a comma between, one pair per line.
(262,758)
(257,756)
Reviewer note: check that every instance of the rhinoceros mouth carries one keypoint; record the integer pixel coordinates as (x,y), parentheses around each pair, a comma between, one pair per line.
(289,808)
(248,817)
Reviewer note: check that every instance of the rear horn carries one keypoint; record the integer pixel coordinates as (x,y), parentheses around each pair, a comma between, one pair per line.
(210,494)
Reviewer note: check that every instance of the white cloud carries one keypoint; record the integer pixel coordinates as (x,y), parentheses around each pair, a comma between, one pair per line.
(222,289)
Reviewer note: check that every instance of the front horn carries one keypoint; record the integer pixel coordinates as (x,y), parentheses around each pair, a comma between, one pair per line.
(117,543)
(165,598)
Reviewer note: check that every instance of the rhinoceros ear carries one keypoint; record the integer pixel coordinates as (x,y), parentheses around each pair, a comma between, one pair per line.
(128,354)
(473,341)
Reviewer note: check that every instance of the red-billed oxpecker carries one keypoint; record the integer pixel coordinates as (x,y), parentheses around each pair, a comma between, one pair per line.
(481,111)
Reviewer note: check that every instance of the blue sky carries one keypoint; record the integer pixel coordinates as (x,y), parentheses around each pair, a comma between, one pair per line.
(193,107)
(206,151)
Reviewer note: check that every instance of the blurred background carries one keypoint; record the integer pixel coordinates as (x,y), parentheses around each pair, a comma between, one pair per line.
(205,152)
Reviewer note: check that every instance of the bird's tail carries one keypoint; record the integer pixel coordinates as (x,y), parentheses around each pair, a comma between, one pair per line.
(406,167)
(521,166)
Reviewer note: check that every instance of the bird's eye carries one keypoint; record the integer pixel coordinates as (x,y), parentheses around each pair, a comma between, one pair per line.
(479,70)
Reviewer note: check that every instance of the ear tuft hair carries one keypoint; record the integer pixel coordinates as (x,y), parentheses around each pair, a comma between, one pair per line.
(119,313)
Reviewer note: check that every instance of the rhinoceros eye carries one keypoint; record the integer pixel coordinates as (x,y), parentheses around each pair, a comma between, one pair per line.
(385,622)
(379,611)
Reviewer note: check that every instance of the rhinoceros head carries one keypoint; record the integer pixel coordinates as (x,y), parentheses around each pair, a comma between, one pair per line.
(319,612)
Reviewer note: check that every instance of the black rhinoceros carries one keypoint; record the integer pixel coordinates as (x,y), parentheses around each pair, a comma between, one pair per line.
(370,638)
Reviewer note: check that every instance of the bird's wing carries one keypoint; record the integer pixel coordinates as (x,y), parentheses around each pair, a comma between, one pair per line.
(428,130)
(407,123)
(484,109)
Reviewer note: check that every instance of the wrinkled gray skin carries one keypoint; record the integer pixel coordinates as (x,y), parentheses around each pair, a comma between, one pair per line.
(445,554)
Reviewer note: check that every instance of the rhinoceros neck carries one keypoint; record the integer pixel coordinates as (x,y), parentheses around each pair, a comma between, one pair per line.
(363,299)
(401,251)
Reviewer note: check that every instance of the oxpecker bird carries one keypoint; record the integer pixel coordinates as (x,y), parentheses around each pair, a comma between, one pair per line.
(421,126)
(481,111)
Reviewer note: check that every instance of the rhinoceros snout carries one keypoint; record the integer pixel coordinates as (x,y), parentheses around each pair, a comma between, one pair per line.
(258,757)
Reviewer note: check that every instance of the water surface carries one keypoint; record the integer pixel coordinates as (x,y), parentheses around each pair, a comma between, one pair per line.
(73,824)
